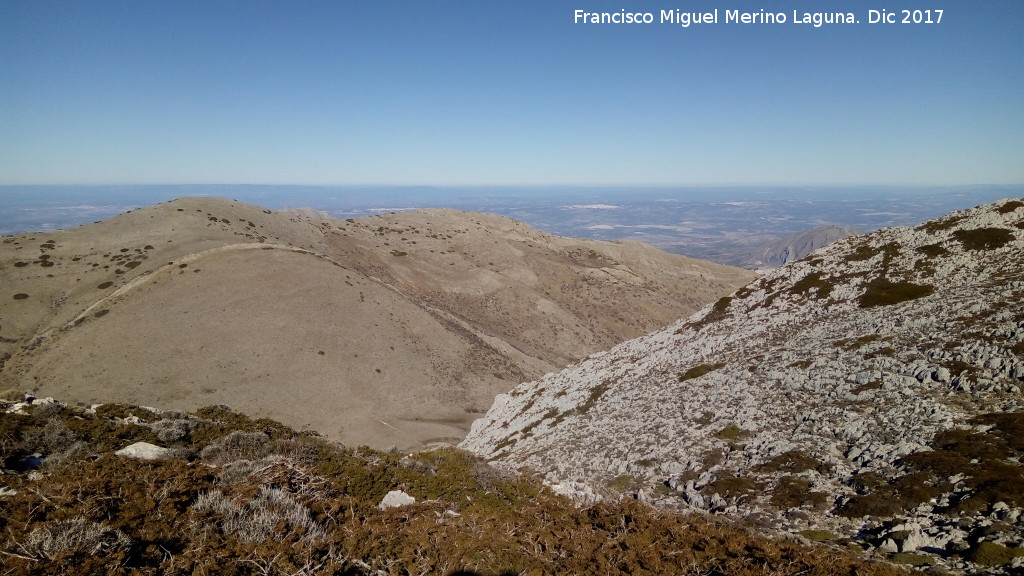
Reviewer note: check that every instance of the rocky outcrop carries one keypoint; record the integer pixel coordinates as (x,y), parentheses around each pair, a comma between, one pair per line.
(795,247)
(871,392)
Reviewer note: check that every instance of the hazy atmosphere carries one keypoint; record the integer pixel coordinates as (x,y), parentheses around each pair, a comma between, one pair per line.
(484,93)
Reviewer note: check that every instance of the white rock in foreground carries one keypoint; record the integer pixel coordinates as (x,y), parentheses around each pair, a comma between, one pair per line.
(395,499)
(143,451)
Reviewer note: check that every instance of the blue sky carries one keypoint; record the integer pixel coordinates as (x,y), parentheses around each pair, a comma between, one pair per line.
(476,92)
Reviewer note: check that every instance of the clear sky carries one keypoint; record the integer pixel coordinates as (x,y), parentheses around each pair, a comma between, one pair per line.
(480,92)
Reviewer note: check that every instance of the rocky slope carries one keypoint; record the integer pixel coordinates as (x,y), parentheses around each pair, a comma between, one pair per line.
(389,330)
(795,247)
(870,394)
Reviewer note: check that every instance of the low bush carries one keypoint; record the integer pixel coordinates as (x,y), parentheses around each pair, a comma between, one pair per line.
(814,282)
(309,506)
(991,554)
(984,238)
(698,371)
(883,292)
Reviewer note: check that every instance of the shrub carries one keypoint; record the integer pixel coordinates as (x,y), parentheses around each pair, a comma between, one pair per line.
(984,238)
(272,513)
(883,292)
(173,429)
(813,281)
(237,445)
(943,224)
(793,492)
(991,554)
(818,535)
(698,371)
(792,462)
(932,250)
(1010,206)
(75,536)
(620,483)
(12,395)
(731,432)
(718,312)
(53,437)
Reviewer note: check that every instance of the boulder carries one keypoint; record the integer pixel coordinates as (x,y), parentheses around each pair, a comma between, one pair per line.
(395,499)
(143,451)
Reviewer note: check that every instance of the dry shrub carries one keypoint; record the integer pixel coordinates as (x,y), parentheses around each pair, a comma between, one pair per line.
(64,538)
(273,514)
(237,445)
(52,438)
(173,429)
(319,516)
(12,395)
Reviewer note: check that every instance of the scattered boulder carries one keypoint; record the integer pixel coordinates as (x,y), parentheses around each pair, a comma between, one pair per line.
(143,451)
(395,499)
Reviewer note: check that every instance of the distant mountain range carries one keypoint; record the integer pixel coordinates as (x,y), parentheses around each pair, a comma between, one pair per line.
(795,247)
(390,330)
(869,393)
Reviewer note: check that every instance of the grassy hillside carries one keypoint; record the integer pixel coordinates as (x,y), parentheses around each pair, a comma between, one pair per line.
(402,327)
(234,495)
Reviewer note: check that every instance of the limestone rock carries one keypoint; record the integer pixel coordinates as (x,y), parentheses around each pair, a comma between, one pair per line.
(395,499)
(143,451)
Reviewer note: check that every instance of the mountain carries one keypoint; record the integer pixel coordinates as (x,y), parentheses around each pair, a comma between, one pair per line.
(795,247)
(391,330)
(869,393)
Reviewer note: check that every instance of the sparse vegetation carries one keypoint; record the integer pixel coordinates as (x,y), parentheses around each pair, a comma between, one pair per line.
(988,553)
(244,496)
(698,371)
(815,283)
(1010,206)
(932,250)
(731,433)
(984,238)
(884,292)
(818,535)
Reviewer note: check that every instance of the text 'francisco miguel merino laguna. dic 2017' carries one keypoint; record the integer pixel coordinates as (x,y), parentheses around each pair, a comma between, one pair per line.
(816,19)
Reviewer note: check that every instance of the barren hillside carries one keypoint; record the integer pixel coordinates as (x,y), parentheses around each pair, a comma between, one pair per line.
(870,393)
(389,330)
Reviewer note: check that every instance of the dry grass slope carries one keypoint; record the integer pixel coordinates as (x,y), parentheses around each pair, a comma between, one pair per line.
(393,330)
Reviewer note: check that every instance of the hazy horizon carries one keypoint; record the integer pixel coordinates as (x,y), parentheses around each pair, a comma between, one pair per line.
(714,223)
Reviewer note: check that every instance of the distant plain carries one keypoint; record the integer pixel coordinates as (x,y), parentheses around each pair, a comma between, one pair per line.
(714,223)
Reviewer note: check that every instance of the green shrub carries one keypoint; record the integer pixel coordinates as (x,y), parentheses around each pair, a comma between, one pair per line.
(984,238)
(620,483)
(991,554)
(883,292)
(793,492)
(792,462)
(818,535)
(1010,206)
(815,282)
(932,250)
(731,432)
(698,371)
